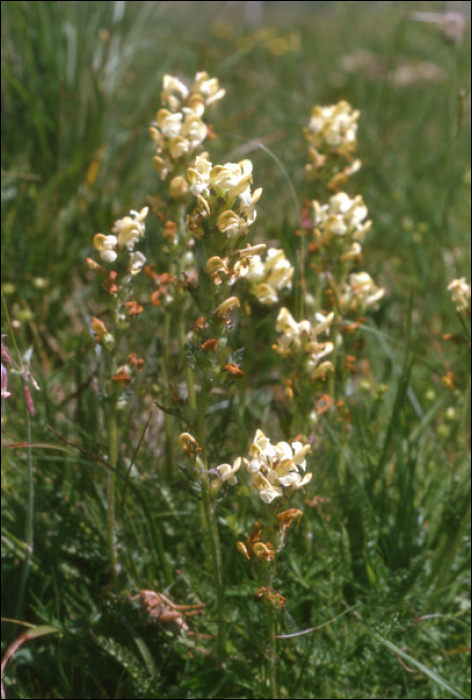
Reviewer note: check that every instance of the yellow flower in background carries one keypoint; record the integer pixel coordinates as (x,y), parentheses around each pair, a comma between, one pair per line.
(333,127)
(173,92)
(301,340)
(360,293)
(208,87)
(342,216)
(194,130)
(460,293)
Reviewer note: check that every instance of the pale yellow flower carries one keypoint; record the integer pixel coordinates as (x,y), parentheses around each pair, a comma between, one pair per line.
(231,224)
(208,87)
(301,340)
(130,228)
(270,276)
(248,202)
(163,166)
(227,305)
(274,469)
(460,293)
(178,187)
(178,146)
(106,246)
(333,127)
(227,472)
(361,293)
(173,91)
(342,216)
(137,261)
(232,178)
(194,130)
(199,176)
(170,124)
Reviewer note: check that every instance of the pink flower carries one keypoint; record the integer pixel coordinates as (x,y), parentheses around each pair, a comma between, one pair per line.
(5,392)
(5,358)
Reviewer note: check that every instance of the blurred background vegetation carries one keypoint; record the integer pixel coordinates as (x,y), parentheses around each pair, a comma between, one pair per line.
(80,84)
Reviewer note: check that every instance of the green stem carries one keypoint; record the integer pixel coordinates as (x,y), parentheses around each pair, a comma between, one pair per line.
(29,532)
(169,427)
(248,359)
(210,518)
(113,460)
(272,656)
(192,399)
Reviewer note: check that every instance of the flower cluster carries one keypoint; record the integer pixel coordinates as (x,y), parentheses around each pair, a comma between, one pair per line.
(126,233)
(275,469)
(360,293)
(300,340)
(333,127)
(179,131)
(270,276)
(225,182)
(342,217)
(460,294)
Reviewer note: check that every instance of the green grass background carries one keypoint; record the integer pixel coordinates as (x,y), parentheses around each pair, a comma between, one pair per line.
(80,84)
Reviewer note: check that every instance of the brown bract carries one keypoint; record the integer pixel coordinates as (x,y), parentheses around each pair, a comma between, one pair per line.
(234,370)
(210,345)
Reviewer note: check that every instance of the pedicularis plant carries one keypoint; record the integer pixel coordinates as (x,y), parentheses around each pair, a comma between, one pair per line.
(211,285)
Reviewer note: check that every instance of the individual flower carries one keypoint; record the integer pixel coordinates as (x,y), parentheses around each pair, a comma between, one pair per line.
(188,444)
(270,276)
(231,224)
(137,261)
(232,179)
(333,127)
(226,472)
(275,469)
(460,294)
(199,176)
(173,92)
(226,306)
(247,204)
(178,187)
(194,130)
(130,228)
(169,124)
(208,87)
(106,246)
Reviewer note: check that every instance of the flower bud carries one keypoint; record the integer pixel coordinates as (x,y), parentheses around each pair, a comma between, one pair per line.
(178,187)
